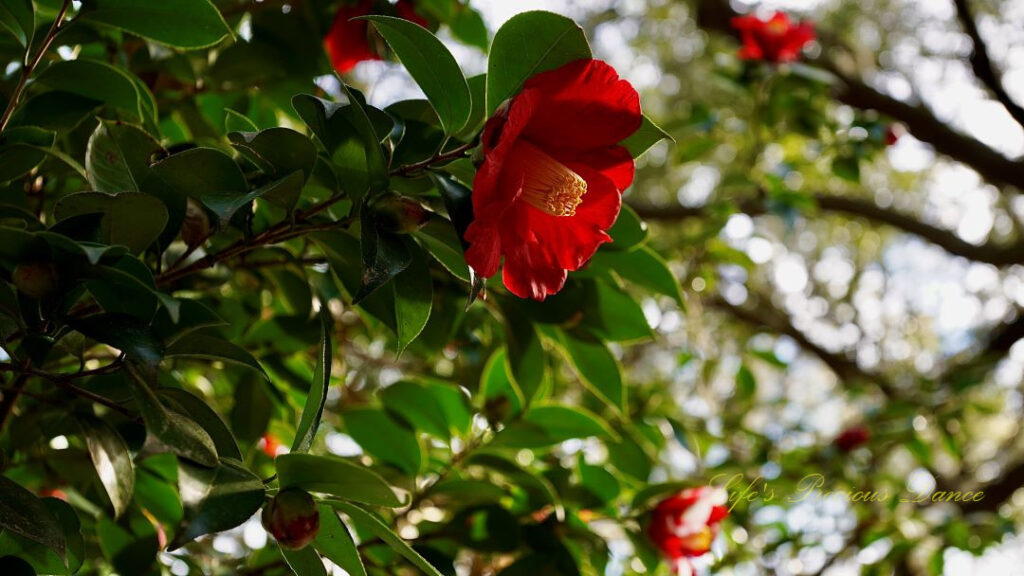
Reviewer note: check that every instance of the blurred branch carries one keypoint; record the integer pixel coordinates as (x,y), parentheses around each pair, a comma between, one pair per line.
(997,492)
(982,64)
(767,317)
(991,253)
(921,121)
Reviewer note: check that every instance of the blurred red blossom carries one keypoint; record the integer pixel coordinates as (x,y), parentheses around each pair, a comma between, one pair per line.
(775,40)
(853,438)
(684,525)
(348,42)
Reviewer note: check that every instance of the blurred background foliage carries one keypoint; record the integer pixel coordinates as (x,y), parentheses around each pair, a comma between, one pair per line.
(827,246)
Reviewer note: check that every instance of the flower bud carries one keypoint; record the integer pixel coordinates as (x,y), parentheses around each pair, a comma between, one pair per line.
(292,518)
(853,438)
(35,280)
(398,214)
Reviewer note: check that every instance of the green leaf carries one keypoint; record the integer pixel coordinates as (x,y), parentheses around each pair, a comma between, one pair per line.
(238,122)
(216,499)
(552,424)
(628,230)
(17,18)
(206,347)
(746,384)
(313,409)
(23,148)
(414,298)
(166,430)
(384,438)
(336,477)
(613,315)
(385,255)
(596,367)
(187,24)
(526,356)
(348,135)
(418,406)
(655,492)
(599,481)
(383,531)
(467,25)
(130,219)
(440,239)
(45,560)
(208,175)
(645,137)
(530,43)
(118,156)
(105,83)
(252,410)
(433,68)
(335,542)
(641,266)
(277,151)
(126,333)
(112,460)
(497,389)
(304,562)
(24,514)
(187,403)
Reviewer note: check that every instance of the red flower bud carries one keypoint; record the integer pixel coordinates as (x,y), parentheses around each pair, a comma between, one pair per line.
(892,134)
(35,280)
(684,525)
(853,438)
(399,214)
(292,518)
(774,40)
(270,445)
(551,181)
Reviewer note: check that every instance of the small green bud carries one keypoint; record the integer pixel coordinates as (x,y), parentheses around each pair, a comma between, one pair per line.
(399,214)
(35,280)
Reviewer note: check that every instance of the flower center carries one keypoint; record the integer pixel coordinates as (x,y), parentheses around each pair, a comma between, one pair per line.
(777,28)
(548,185)
(699,542)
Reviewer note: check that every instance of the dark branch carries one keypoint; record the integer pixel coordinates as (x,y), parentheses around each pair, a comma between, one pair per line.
(922,123)
(990,252)
(998,492)
(768,318)
(982,64)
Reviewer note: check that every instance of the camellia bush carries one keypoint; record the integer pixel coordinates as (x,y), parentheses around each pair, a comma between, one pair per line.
(237,299)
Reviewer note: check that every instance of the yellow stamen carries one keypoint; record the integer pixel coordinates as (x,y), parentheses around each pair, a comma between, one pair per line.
(700,541)
(548,185)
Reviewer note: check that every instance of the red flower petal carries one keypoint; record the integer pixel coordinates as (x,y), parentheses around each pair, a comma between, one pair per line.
(407,11)
(346,42)
(582,105)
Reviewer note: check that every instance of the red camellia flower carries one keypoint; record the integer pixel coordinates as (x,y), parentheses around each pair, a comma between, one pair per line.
(684,525)
(348,41)
(552,176)
(853,438)
(775,40)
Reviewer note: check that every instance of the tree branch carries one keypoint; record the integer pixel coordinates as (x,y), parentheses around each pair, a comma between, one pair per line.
(919,120)
(982,63)
(997,492)
(990,252)
(768,318)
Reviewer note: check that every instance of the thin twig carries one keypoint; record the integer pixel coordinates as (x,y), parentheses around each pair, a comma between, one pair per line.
(452,154)
(26,72)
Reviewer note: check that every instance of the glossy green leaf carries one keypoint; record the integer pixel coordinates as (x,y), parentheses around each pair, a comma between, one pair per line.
(118,156)
(188,24)
(103,82)
(304,562)
(641,266)
(336,477)
(166,430)
(184,402)
(417,405)
(18,19)
(384,532)
(24,514)
(385,438)
(414,298)
(645,138)
(551,424)
(112,460)
(313,409)
(216,499)
(530,43)
(596,367)
(207,347)
(433,68)
(130,219)
(335,542)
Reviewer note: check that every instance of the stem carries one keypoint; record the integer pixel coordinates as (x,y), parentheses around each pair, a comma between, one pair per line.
(10,398)
(453,154)
(26,72)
